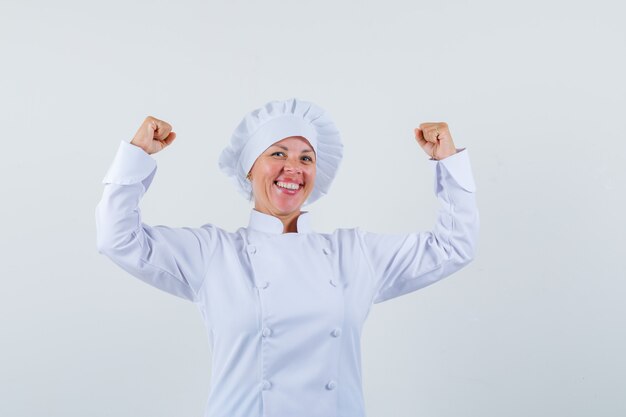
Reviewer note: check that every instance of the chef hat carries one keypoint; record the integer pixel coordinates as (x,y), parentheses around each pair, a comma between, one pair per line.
(273,122)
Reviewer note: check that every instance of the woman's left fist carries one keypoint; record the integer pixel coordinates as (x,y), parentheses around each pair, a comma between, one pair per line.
(435,140)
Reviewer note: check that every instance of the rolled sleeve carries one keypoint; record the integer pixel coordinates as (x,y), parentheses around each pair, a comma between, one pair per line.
(459,168)
(130,166)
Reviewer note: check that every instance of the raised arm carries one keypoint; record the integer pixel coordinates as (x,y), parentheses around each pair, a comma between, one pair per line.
(172,259)
(402,263)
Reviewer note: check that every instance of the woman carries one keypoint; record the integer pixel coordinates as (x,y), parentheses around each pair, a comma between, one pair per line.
(283,304)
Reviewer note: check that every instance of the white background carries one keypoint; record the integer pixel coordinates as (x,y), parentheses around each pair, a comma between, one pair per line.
(535,91)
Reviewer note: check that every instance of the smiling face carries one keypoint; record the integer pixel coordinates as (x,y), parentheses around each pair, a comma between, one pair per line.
(283,177)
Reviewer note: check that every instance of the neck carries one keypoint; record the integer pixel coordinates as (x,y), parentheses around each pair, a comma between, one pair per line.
(290,225)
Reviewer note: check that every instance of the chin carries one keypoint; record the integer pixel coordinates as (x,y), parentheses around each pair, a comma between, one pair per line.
(288,204)
(287,208)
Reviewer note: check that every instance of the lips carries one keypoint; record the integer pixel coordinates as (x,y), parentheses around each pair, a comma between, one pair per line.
(288,187)
(288,184)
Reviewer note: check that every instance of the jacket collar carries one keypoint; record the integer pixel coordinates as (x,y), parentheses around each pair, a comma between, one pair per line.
(269,224)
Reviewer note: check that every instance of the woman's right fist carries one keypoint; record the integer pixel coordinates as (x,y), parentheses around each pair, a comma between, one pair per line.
(153,135)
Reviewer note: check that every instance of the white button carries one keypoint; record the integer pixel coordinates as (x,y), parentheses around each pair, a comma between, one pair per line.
(266,331)
(265,384)
(263,284)
(251,249)
(333,282)
(326,251)
(331,385)
(336,332)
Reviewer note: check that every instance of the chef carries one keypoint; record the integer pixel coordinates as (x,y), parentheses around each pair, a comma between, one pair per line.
(284,305)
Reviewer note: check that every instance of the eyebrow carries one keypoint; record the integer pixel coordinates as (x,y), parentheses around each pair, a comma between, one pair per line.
(285,148)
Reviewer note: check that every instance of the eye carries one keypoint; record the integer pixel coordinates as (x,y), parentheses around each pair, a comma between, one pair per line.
(278,153)
(307,158)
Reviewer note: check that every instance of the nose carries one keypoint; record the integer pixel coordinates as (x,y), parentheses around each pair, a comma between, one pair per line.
(292,166)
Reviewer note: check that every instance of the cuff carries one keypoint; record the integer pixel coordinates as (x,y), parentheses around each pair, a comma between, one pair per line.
(130,165)
(459,168)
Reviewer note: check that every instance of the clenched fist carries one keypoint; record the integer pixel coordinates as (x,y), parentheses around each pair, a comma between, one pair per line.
(153,135)
(435,139)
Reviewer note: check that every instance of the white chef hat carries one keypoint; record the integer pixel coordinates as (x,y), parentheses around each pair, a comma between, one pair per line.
(273,122)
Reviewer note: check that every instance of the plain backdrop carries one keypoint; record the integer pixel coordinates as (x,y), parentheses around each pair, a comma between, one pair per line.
(535,91)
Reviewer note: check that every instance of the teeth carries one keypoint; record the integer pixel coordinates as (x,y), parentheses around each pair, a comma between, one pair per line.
(288,185)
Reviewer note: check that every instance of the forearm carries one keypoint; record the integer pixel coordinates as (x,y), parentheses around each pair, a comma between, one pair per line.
(458,222)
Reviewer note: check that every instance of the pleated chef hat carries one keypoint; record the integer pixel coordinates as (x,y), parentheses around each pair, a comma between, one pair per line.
(273,122)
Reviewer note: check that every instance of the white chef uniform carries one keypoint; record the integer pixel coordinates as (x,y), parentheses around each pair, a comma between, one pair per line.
(284,312)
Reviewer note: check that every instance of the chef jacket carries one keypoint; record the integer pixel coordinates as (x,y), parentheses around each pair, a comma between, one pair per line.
(284,311)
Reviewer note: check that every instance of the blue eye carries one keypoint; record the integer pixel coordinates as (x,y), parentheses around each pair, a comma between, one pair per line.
(278,152)
(307,158)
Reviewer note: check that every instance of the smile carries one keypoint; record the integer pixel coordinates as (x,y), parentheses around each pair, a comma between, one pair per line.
(287,187)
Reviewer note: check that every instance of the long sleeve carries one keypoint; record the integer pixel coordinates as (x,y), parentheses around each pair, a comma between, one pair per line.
(402,263)
(171,259)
